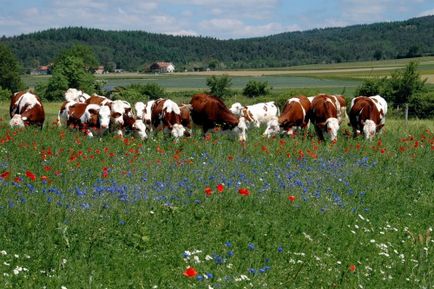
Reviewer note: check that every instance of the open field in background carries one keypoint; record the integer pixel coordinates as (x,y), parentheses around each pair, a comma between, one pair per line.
(324,76)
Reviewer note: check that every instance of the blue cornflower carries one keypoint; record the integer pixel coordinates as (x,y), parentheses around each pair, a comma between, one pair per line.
(251,246)
(228,244)
(230,253)
(280,249)
(251,271)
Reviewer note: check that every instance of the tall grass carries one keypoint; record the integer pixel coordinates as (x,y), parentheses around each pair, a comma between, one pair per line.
(120,213)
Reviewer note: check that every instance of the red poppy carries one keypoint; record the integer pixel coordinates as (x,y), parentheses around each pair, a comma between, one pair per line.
(190,272)
(105,172)
(208,191)
(47,168)
(352,268)
(30,175)
(4,175)
(244,191)
(220,188)
(291,198)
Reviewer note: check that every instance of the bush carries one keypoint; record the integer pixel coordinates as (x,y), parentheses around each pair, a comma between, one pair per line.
(5,94)
(219,86)
(422,105)
(371,86)
(255,88)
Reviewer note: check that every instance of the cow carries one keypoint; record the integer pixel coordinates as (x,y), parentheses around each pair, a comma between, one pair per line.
(256,114)
(118,109)
(73,94)
(340,102)
(367,115)
(91,118)
(295,114)
(134,125)
(324,116)
(26,109)
(166,115)
(209,111)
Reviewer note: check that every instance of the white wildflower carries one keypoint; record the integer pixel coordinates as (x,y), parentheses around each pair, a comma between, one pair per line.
(361,217)
(3,252)
(208,257)
(196,259)
(17,270)
(338,262)
(372,241)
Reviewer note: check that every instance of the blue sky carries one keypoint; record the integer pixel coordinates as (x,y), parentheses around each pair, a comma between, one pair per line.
(223,19)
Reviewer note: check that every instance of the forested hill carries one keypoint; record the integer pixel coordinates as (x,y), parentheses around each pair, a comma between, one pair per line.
(130,50)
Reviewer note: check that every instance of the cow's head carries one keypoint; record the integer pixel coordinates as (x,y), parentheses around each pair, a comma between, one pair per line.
(332,125)
(139,129)
(178,130)
(241,129)
(369,129)
(140,109)
(17,121)
(273,127)
(104,117)
(236,108)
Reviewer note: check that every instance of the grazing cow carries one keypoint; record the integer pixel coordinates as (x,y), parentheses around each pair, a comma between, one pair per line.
(73,94)
(256,114)
(118,109)
(91,118)
(381,104)
(295,114)
(367,115)
(324,116)
(26,109)
(134,125)
(167,116)
(209,111)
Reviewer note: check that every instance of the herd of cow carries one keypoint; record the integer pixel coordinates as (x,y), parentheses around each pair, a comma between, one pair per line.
(95,115)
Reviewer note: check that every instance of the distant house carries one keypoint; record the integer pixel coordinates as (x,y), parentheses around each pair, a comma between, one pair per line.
(162,67)
(99,70)
(41,70)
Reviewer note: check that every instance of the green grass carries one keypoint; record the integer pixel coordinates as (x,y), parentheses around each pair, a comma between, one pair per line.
(112,213)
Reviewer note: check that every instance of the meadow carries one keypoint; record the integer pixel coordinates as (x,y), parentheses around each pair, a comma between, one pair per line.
(215,213)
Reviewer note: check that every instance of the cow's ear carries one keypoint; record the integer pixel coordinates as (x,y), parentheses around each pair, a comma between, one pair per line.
(127,110)
(93,111)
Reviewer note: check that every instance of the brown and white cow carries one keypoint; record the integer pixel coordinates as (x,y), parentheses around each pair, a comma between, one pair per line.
(325,110)
(256,114)
(119,109)
(209,111)
(26,109)
(367,115)
(90,118)
(166,115)
(295,115)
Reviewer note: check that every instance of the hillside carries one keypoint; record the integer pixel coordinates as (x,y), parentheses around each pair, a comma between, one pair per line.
(130,50)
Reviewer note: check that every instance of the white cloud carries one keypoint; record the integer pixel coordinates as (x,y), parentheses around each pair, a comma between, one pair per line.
(427,12)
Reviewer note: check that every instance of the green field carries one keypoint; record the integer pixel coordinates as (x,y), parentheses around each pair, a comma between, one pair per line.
(293,213)
(215,213)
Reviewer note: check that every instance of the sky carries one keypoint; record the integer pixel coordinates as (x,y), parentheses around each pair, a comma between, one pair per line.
(222,19)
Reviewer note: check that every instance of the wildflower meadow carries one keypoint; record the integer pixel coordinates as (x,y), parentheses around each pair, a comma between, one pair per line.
(285,212)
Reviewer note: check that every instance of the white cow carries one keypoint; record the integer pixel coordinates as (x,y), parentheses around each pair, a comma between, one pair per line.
(256,114)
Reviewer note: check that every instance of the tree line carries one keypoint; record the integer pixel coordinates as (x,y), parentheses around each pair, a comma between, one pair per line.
(132,50)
